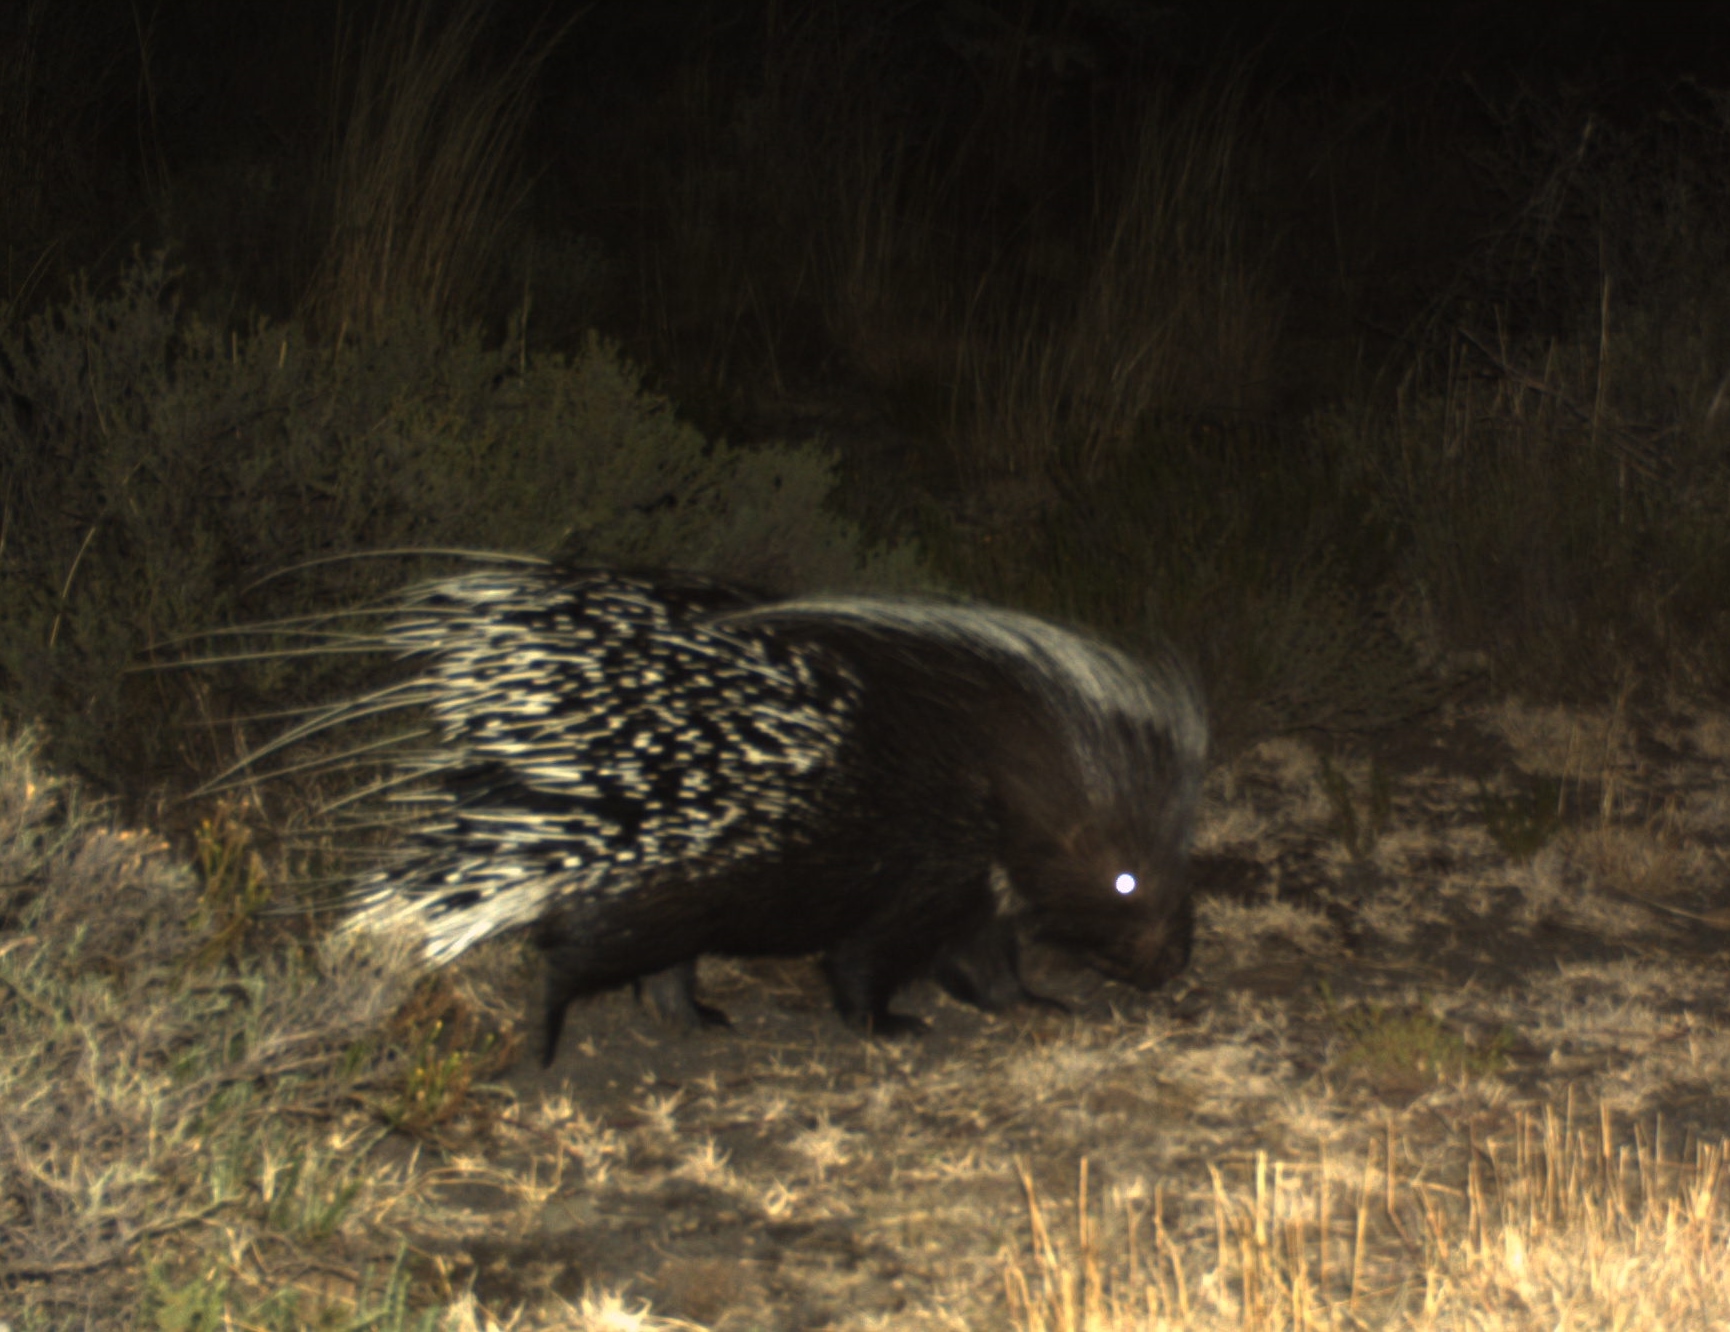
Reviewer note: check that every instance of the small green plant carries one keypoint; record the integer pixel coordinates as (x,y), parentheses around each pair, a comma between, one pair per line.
(435,1084)
(205,1301)
(1407,1049)
(1358,832)
(1525,822)
(307,1205)
(194,1305)
(235,886)
(448,1051)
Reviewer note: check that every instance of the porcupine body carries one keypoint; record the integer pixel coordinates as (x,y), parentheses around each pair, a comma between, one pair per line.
(647,769)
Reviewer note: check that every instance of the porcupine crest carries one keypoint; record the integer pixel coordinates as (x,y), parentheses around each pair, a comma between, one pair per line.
(591,730)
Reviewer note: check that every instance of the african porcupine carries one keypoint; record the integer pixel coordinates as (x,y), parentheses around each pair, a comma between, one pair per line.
(647,769)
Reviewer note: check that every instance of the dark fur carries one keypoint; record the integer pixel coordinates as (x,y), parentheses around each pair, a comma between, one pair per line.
(955,771)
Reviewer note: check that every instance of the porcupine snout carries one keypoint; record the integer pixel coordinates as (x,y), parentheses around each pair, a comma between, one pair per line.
(1121,904)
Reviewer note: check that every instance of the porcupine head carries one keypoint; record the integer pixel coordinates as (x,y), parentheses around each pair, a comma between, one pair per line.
(1094,823)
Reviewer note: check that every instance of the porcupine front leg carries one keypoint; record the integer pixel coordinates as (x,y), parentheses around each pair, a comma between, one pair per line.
(934,913)
(671,995)
(985,970)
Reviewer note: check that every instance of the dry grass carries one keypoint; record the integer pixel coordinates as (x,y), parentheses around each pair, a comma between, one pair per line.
(828,207)
(1362,1108)
(1167,315)
(421,169)
(1545,521)
(39,146)
(1551,1225)
(1564,743)
(605,1311)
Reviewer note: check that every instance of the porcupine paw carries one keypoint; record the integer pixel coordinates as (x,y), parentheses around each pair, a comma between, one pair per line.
(895,1026)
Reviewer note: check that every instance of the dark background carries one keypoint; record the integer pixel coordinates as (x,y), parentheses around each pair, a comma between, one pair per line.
(125,120)
(1371,352)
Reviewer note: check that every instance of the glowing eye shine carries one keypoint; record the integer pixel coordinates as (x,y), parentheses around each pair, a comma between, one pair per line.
(1125,884)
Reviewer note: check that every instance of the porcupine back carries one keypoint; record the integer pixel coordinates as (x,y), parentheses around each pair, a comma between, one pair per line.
(596,742)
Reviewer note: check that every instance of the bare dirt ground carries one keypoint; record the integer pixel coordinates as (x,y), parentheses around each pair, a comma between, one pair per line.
(1407,953)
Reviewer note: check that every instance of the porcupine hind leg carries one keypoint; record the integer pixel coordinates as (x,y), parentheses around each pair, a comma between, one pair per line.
(863,985)
(562,987)
(671,994)
(558,998)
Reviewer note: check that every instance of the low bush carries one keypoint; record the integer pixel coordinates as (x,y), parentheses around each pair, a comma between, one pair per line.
(158,472)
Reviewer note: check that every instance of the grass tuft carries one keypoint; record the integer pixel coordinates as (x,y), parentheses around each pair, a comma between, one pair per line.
(421,171)
(1357,832)
(1548,1224)
(1404,1051)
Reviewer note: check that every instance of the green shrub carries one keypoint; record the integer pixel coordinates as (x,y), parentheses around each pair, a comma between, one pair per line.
(157,471)
(1527,821)
(1240,546)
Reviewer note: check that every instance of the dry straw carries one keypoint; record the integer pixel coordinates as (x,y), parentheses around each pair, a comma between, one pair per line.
(1548,1224)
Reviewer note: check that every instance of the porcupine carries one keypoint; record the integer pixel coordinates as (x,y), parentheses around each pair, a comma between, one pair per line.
(646,769)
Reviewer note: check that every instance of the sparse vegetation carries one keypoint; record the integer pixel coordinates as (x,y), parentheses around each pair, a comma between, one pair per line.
(1357,831)
(1398,401)
(277,1131)
(1524,822)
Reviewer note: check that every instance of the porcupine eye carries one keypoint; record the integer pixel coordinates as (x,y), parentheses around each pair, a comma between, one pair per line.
(1125,884)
